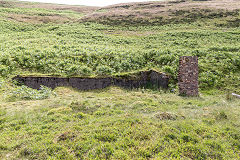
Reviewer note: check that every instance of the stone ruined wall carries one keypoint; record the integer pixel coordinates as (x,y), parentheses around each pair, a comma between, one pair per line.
(188,76)
(53,82)
(159,80)
(147,79)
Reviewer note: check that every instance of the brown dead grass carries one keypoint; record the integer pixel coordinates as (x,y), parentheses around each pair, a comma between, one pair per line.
(154,13)
(129,33)
(164,12)
(179,4)
(34,19)
(80,9)
(5,4)
(48,18)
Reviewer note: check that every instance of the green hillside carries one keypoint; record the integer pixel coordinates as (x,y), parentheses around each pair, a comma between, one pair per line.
(48,41)
(114,123)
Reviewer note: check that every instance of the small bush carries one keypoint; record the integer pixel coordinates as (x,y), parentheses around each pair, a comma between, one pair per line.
(80,115)
(26,93)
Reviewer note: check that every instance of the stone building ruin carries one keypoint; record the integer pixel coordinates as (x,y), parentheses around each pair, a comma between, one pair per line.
(187,79)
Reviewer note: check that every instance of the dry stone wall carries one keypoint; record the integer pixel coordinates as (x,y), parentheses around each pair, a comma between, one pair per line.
(143,79)
(188,76)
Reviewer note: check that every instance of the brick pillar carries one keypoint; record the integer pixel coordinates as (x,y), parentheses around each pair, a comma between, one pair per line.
(188,76)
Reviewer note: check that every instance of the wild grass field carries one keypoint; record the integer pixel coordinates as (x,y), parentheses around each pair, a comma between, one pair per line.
(114,123)
(120,124)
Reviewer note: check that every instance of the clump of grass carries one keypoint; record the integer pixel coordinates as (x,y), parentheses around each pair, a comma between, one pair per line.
(80,115)
(60,110)
(84,107)
(221,115)
(166,116)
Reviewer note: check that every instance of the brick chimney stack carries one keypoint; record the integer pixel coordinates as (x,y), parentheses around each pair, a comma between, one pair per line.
(188,76)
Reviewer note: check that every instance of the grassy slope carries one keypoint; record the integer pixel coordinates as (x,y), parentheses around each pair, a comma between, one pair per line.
(115,123)
(119,124)
(52,41)
(168,12)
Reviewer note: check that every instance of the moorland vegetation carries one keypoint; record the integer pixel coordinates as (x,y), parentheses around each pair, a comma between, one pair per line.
(114,123)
